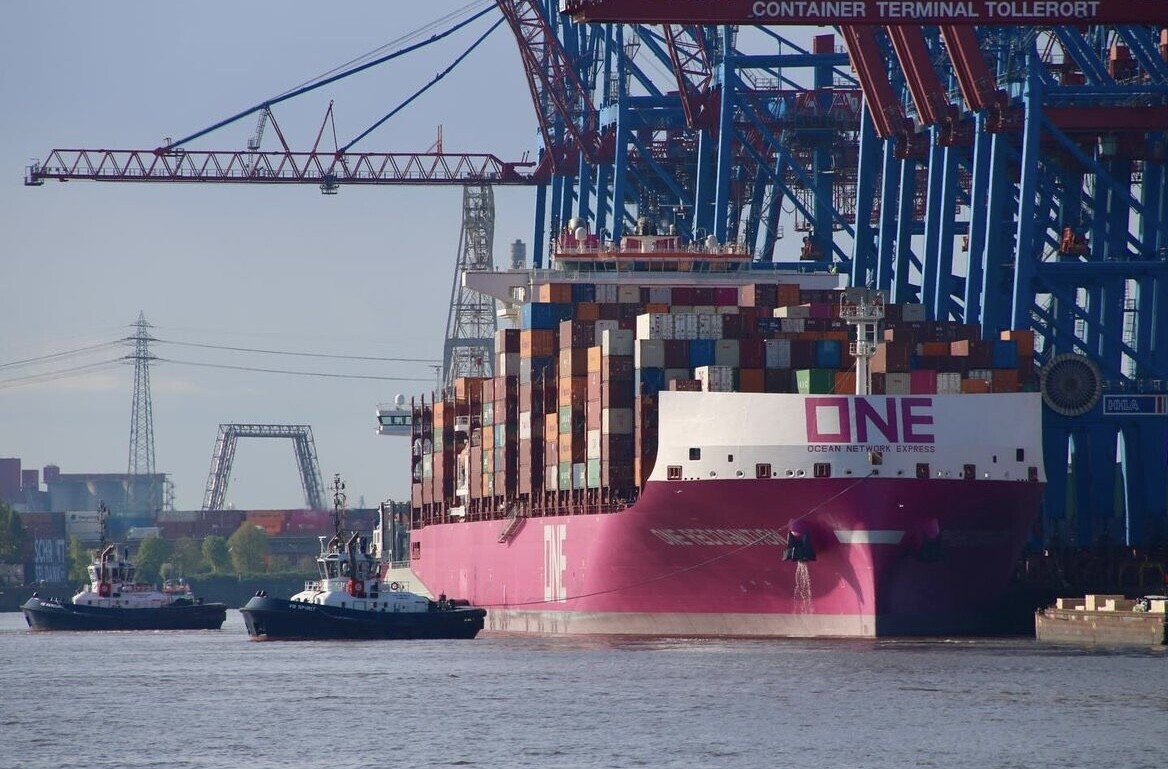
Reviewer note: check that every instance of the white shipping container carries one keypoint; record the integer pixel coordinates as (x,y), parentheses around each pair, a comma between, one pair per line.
(897,384)
(685,325)
(628,294)
(912,312)
(602,326)
(606,293)
(948,383)
(709,326)
(616,421)
(715,379)
(726,352)
(525,425)
(981,373)
(649,353)
(778,353)
(619,342)
(551,476)
(794,311)
(660,294)
(728,309)
(792,325)
(506,364)
(705,309)
(655,325)
(593,447)
(173,516)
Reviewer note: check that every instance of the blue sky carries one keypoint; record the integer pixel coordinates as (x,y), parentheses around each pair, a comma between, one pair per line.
(366,272)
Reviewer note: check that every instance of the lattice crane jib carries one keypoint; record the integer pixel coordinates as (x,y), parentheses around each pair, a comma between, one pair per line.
(224,455)
(471,323)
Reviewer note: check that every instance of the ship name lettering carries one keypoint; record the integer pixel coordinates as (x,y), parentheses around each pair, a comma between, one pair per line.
(739,537)
(856,420)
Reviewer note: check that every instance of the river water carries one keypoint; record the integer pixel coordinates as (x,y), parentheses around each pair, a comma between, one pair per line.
(216,699)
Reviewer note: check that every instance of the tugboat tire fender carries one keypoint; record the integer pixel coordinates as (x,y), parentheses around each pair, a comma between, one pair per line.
(103,589)
(394,586)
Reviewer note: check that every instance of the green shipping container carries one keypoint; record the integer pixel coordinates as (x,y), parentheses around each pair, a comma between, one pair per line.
(815,381)
(565,475)
(565,421)
(593,473)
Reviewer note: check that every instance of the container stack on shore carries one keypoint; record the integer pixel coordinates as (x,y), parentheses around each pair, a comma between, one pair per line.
(568,422)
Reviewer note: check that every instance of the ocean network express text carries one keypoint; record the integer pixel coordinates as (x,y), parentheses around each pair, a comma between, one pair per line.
(987,10)
(886,424)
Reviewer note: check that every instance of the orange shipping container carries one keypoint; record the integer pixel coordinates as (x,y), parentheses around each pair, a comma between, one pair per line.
(537,343)
(845,382)
(751,380)
(587,311)
(975,386)
(595,355)
(573,391)
(1005,380)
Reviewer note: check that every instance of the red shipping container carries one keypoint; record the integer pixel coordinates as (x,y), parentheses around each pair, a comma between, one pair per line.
(751,380)
(676,353)
(751,353)
(922,382)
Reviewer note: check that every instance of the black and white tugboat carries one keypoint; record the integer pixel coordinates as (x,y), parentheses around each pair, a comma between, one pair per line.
(114,600)
(351,601)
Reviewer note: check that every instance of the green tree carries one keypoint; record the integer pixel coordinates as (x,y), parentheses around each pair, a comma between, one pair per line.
(11,535)
(79,558)
(216,555)
(152,553)
(187,557)
(249,548)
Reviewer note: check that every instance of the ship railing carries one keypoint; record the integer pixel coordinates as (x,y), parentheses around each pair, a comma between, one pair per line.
(312,585)
(399,564)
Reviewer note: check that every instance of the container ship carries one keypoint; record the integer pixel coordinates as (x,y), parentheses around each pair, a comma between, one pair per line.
(678,442)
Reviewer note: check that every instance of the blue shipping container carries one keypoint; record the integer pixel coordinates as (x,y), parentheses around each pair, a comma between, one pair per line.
(701,352)
(1005,354)
(650,381)
(583,292)
(827,353)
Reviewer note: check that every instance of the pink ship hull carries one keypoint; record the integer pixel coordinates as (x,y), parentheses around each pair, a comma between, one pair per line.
(706,558)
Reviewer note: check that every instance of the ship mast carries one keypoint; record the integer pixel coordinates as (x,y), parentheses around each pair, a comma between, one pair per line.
(864,309)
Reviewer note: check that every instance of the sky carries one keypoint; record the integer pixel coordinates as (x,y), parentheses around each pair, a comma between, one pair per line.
(367,272)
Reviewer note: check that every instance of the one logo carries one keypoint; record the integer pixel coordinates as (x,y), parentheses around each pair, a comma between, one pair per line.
(553,562)
(868,420)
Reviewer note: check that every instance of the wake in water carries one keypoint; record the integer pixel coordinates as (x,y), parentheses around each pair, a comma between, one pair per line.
(803,589)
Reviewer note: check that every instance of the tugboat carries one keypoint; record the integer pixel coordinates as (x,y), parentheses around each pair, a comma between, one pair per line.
(113,600)
(350,600)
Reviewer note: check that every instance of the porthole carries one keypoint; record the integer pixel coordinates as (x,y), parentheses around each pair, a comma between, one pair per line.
(800,473)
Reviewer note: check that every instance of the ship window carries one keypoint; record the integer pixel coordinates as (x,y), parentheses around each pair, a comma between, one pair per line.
(695,455)
(969,472)
(729,457)
(922,469)
(1032,473)
(762,470)
(821,470)
(1019,455)
(673,472)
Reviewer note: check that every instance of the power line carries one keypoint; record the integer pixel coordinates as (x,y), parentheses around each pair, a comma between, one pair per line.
(294,373)
(49,376)
(65,354)
(295,353)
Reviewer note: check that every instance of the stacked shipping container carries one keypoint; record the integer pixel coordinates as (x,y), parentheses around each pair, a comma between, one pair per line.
(569,420)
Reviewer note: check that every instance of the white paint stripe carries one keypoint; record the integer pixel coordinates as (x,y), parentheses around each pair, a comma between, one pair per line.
(869,537)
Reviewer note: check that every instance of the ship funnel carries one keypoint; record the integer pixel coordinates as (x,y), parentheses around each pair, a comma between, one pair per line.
(799,547)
